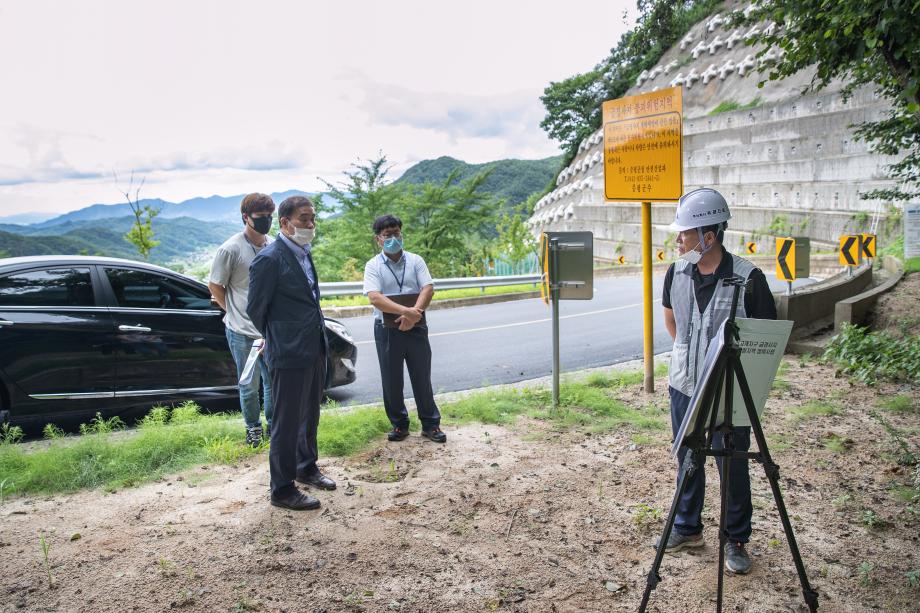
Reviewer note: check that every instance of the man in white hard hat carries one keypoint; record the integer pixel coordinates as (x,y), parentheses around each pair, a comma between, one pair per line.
(695,305)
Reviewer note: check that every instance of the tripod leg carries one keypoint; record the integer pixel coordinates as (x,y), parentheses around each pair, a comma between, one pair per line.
(728,445)
(772,471)
(692,462)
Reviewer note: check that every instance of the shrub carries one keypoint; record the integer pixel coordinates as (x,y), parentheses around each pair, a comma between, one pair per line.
(870,356)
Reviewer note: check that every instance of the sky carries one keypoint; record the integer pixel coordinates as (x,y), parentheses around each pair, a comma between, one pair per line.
(225,97)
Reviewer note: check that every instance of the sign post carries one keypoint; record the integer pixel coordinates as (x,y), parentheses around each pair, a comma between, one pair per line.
(643,162)
(568,274)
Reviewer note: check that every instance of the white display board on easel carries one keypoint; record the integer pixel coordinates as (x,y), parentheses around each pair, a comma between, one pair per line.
(762,343)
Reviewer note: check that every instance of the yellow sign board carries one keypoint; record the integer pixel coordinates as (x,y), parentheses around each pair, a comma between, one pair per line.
(850,250)
(544,282)
(643,148)
(621,259)
(868,245)
(660,255)
(751,247)
(785,259)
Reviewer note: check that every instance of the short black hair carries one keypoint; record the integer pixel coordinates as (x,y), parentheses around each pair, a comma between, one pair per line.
(290,205)
(385,222)
(717,229)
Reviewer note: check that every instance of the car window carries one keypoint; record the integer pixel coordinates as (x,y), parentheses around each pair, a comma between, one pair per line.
(70,287)
(142,289)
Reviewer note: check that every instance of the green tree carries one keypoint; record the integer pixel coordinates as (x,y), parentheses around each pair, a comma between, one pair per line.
(515,240)
(141,233)
(865,42)
(364,195)
(447,223)
(573,105)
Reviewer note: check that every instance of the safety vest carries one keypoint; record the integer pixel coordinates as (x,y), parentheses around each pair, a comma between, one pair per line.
(695,329)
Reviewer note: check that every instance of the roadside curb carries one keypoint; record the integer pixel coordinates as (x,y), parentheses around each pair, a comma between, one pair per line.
(449,303)
(539,382)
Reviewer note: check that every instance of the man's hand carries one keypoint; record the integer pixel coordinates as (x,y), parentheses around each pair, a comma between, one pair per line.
(410,317)
(413,314)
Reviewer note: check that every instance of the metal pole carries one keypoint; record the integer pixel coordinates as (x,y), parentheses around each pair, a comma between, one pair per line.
(554,294)
(649,348)
(789,288)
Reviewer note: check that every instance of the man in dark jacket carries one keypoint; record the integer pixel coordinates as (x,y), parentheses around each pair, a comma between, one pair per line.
(284,306)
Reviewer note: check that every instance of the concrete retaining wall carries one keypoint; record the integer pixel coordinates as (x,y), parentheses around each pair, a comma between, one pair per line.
(856,309)
(791,157)
(818,301)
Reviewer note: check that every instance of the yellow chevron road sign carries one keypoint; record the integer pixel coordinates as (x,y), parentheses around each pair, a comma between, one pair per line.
(660,255)
(867,245)
(785,259)
(751,247)
(621,259)
(850,250)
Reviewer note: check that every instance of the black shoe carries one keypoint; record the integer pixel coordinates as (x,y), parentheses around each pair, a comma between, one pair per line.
(397,434)
(435,435)
(295,501)
(737,559)
(676,542)
(317,480)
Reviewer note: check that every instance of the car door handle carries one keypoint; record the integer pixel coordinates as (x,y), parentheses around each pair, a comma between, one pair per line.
(4,322)
(137,328)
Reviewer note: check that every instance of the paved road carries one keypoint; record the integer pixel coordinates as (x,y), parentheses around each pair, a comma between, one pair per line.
(512,341)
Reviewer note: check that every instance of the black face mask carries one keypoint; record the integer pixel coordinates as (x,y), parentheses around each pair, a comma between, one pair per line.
(261,224)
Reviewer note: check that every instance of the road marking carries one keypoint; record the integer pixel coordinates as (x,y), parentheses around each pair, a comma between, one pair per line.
(527,323)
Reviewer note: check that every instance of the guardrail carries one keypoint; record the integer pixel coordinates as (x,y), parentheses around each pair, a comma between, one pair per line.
(356,288)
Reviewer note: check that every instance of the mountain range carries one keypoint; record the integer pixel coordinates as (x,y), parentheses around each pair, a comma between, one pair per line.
(199,224)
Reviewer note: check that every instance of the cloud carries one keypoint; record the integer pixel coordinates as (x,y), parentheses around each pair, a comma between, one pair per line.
(457,115)
(42,156)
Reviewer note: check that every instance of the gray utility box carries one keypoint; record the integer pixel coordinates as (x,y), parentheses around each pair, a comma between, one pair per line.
(571,264)
(802,257)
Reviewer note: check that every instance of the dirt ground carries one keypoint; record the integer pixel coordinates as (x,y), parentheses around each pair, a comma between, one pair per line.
(519,518)
(522,518)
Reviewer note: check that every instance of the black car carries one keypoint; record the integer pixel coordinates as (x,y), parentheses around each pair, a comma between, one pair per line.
(85,334)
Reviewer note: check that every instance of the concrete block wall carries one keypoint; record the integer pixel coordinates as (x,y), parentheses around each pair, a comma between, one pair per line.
(793,158)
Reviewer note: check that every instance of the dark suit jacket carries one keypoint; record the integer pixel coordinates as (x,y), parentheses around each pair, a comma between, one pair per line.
(284,308)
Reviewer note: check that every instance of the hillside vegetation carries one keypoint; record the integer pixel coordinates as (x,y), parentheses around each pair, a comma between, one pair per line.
(179,238)
(509,180)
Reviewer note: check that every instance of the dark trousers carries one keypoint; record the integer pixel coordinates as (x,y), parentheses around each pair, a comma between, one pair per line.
(394,348)
(297,393)
(739,508)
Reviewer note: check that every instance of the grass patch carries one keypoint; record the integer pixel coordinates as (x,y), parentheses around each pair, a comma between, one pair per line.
(469,292)
(814,408)
(168,441)
(156,448)
(779,441)
(836,443)
(727,106)
(898,404)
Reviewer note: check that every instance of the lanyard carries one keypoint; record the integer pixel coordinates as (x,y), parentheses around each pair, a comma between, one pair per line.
(398,280)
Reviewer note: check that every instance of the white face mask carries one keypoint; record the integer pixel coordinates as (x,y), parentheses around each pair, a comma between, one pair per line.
(303,236)
(693,256)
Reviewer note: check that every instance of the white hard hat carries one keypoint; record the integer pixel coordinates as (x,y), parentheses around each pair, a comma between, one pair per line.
(699,208)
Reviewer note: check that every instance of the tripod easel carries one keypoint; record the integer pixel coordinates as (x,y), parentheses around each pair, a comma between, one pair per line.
(699,442)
